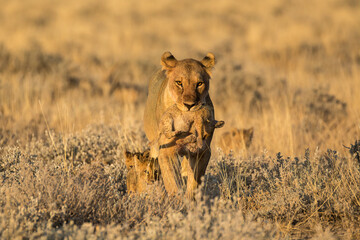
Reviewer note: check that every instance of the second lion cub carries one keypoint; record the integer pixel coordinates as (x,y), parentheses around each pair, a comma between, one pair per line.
(142,170)
(187,129)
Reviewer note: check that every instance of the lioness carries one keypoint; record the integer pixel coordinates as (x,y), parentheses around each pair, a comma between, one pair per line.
(236,140)
(142,170)
(186,84)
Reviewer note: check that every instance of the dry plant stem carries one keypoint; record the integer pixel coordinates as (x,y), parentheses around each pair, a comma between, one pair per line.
(47,125)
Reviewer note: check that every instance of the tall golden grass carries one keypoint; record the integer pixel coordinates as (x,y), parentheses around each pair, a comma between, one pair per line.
(73,84)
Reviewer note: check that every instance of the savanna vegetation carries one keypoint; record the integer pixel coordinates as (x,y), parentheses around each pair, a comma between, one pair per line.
(73,86)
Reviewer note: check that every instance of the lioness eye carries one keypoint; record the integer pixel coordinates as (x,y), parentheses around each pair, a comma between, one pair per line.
(179,83)
(200,84)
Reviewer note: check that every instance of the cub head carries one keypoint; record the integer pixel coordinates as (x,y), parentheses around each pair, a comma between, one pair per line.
(236,140)
(243,135)
(188,80)
(142,170)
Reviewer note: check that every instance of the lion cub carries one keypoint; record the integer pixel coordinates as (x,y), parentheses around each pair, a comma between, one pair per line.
(187,128)
(236,140)
(142,170)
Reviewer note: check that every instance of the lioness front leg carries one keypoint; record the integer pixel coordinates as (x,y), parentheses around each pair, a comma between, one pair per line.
(170,169)
(198,164)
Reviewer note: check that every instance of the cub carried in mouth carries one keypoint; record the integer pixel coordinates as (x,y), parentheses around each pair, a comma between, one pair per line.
(187,129)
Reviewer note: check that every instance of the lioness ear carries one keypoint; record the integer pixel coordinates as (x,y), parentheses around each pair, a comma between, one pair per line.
(208,61)
(168,61)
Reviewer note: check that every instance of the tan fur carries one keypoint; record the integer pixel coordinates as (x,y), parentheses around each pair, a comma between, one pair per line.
(236,140)
(185,84)
(187,129)
(142,171)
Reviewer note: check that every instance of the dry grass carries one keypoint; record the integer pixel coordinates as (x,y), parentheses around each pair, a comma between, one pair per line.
(73,82)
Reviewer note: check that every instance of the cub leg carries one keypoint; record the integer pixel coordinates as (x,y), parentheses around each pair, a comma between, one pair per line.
(191,183)
(166,126)
(199,129)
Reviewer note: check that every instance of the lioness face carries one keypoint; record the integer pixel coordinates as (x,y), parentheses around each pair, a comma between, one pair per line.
(188,80)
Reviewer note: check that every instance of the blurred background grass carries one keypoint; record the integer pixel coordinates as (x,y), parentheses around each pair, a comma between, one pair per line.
(288,68)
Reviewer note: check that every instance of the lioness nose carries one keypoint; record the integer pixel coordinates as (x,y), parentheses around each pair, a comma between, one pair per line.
(189,105)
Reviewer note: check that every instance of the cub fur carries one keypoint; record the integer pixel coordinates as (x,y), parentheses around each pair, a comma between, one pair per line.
(236,140)
(142,170)
(187,129)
